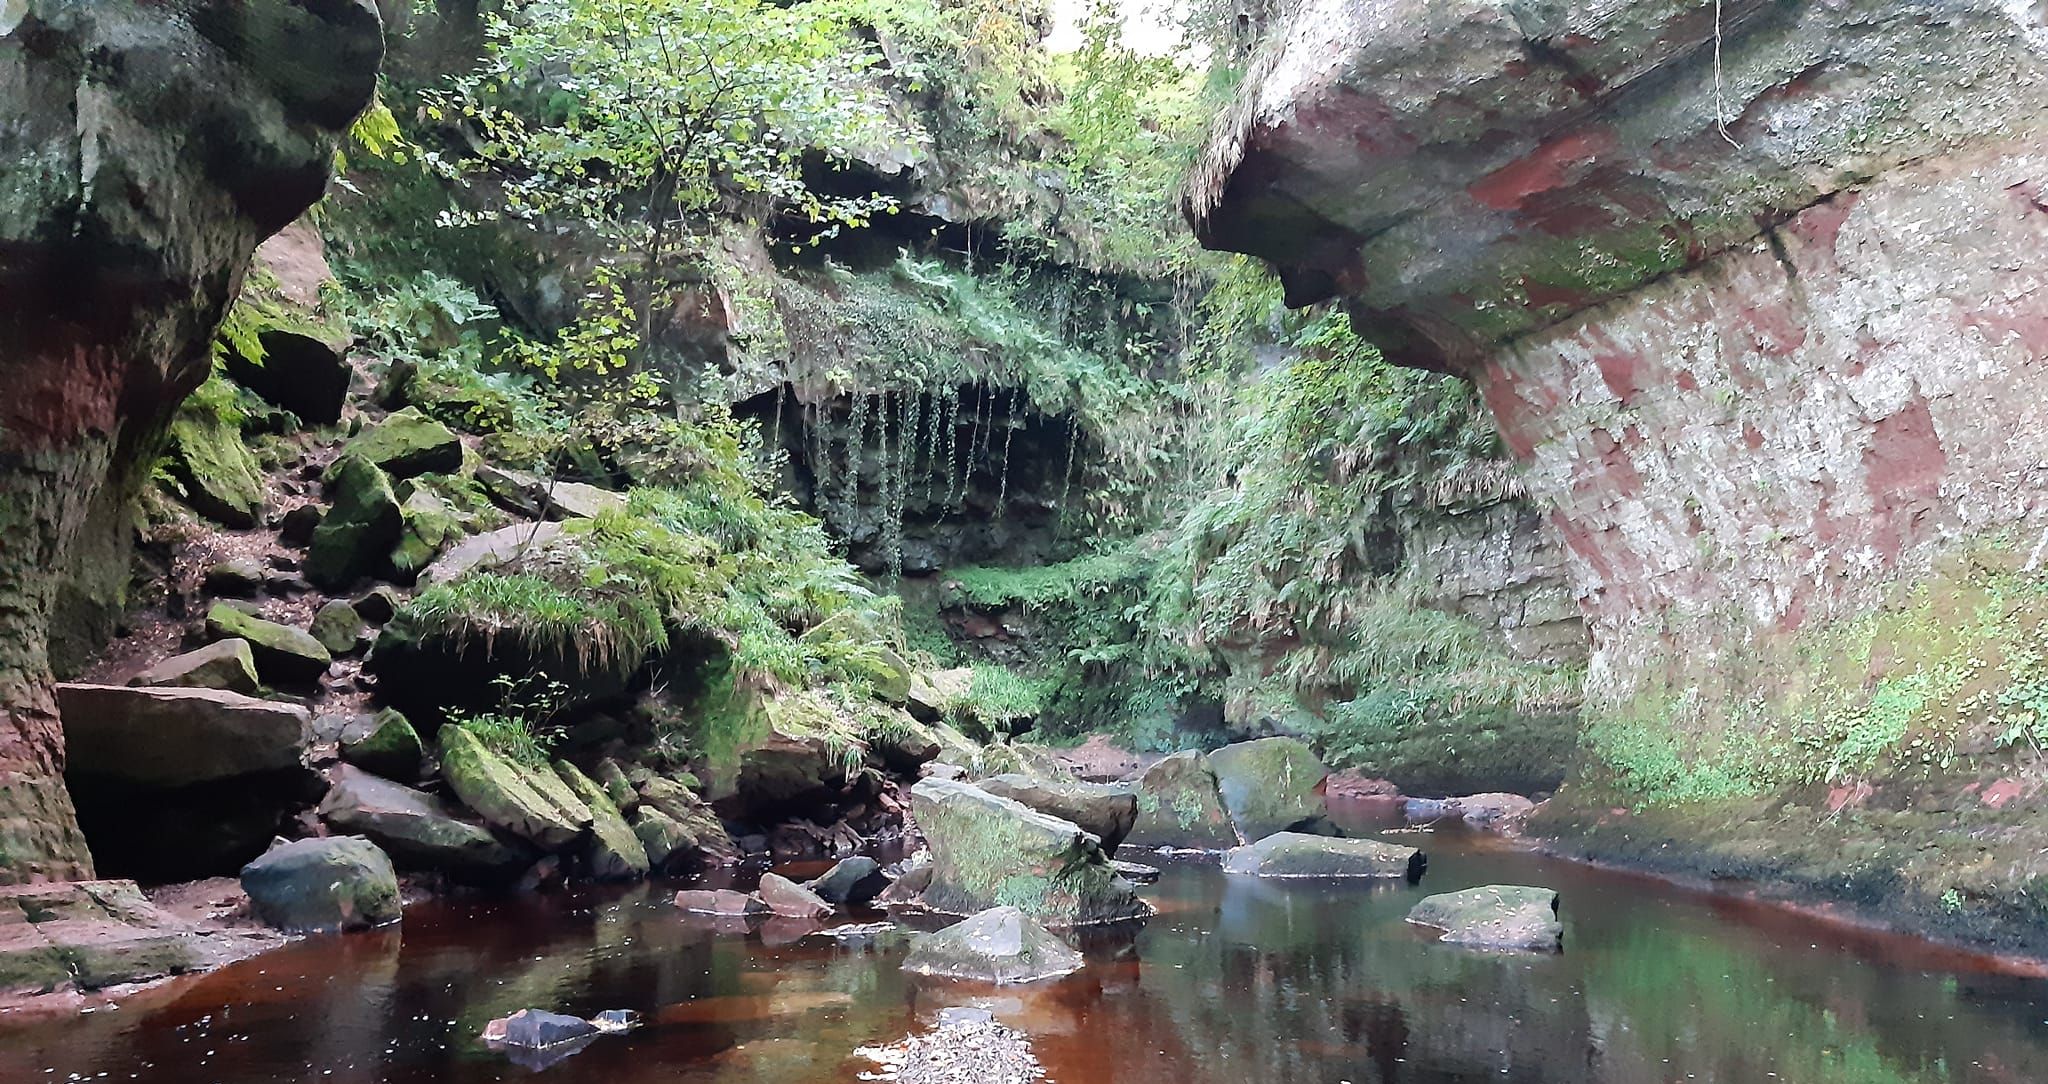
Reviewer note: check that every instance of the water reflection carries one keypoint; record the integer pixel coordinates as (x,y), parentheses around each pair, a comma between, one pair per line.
(1234,980)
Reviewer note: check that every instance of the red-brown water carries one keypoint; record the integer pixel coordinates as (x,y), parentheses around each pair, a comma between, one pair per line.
(1235,980)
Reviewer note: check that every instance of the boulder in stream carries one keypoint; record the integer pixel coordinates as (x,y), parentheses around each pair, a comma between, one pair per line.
(851,881)
(1106,809)
(719,901)
(791,900)
(316,885)
(1270,785)
(1001,945)
(1294,854)
(989,851)
(1180,807)
(1511,917)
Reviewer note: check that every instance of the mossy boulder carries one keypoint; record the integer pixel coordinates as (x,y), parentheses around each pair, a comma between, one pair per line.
(994,852)
(614,852)
(1510,917)
(213,469)
(1295,854)
(407,444)
(356,536)
(1180,807)
(303,369)
(1001,945)
(224,664)
(385,744)
(313,885)
(430,525)
(511,797)
(338,627)
(1270,785)
(417,830)
(676,826)
(1106,809)
(236,577)
(284,655)
(935,696)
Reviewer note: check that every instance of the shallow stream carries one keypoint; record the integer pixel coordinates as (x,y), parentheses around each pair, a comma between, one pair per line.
(1233,981)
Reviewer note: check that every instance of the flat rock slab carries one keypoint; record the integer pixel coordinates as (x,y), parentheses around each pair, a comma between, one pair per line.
(1292,854)
(1001,945)
(1510,917)
(87,934)
(1106,809)
(490,549)
(223,664)
(173,737)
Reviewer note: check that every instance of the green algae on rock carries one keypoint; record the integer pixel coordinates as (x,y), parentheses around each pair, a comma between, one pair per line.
(1180,807)
(995,852)
(1514,917)
(315,885)
(1269,785)
(511,796)
(1293,854)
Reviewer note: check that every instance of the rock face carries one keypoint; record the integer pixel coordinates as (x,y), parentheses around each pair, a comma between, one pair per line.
(1511,917)
(1292,854)
(157,151)
(1269,785)
(316,885)
(1001,945)
(1180,807)
(994,852)
(1772,361)
(416,829)
(1106,809)
(614,852)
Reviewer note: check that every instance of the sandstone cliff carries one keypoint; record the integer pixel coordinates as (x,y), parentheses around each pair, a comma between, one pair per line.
(1759,301)
(149,148)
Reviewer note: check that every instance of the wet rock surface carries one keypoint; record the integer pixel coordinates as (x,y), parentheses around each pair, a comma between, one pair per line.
(1179,806)
(1001,946)
(1293,854)
(989,851)
(1269,785)
(1509,917)
(1106,809)
(314,885)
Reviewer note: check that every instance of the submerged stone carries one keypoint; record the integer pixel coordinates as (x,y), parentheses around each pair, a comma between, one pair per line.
(1512,917)
(719,901)
(1294,854)
(1001,945)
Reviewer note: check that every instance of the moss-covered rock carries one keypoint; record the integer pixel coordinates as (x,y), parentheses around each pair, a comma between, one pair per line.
(356,536)
(511,797)
(213,469)
(1513,917)
(1179,806)
(1001,945)
(388,746)
(1294,854)
(338,627)
(87,934)
(1269,785)
(615,852)
(337,883)
(677,827)
(994,852)
(224,664)
(405,445)
(284,655)
(1107,810)
(430,525)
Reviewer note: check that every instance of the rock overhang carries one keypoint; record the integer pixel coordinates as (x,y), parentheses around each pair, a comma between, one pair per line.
(1464,173)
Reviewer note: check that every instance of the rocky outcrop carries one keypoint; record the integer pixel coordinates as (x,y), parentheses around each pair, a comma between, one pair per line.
(1756,303)
(156,149)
